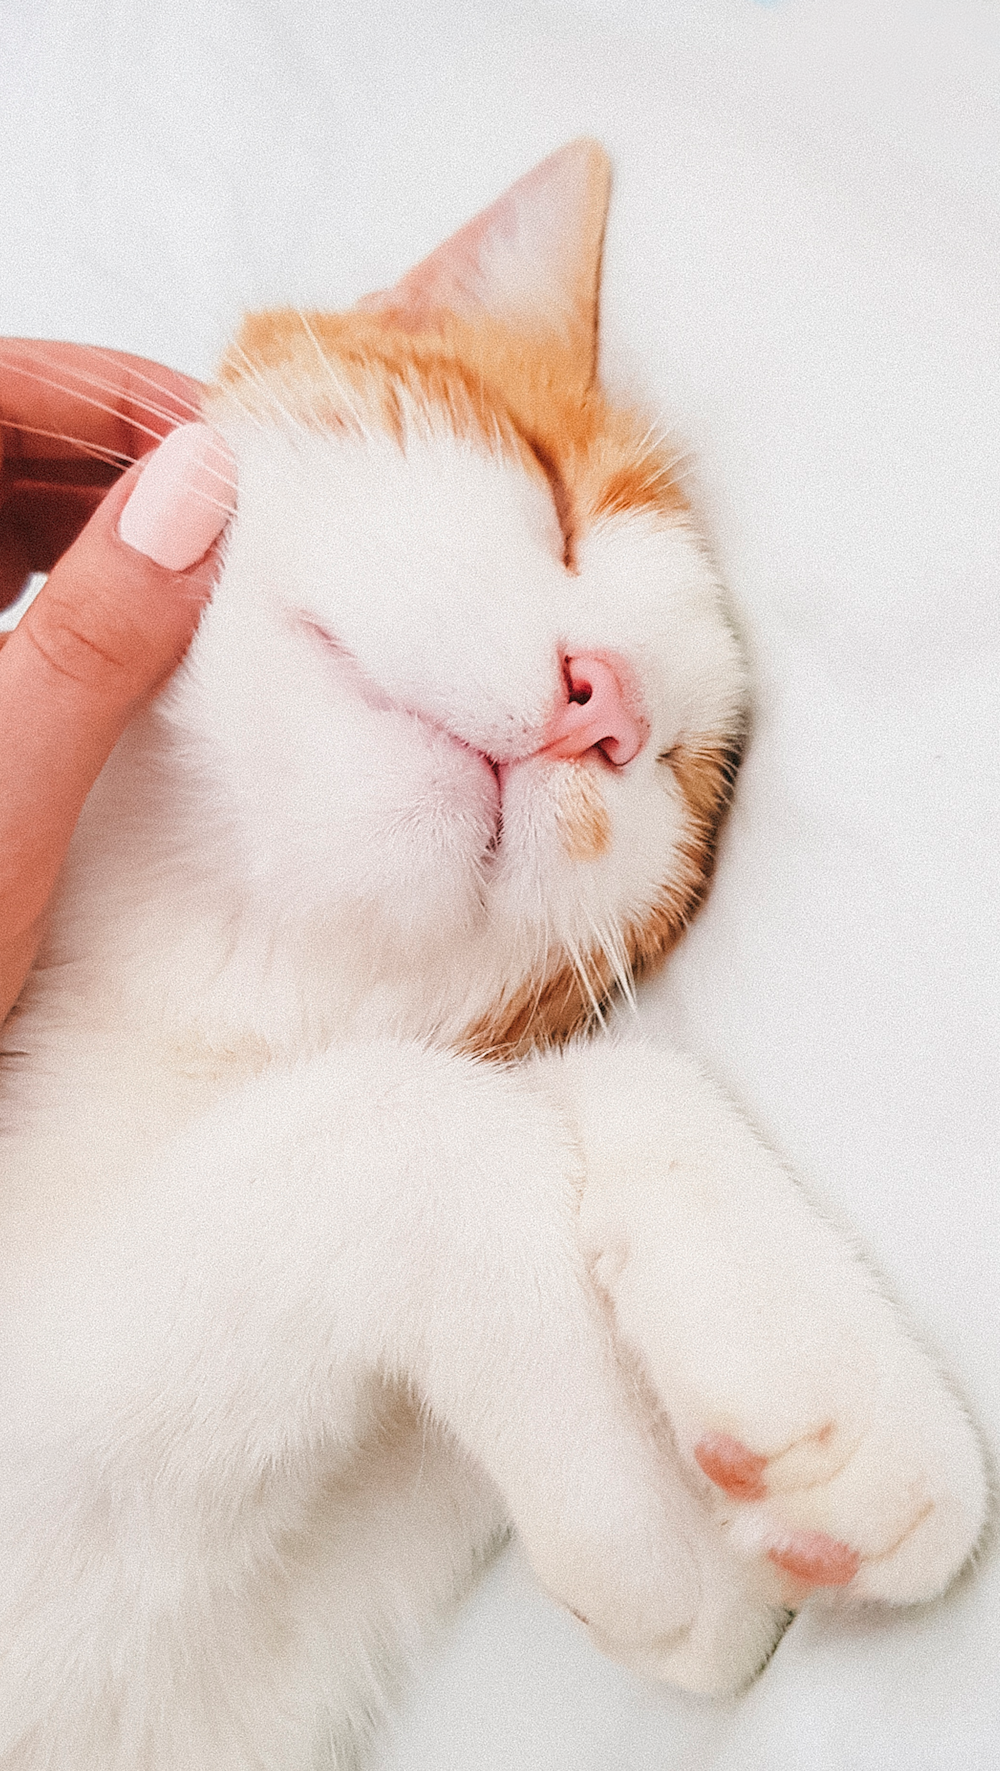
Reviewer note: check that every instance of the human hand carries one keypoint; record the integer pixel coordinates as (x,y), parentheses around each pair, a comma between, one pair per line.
(128,578)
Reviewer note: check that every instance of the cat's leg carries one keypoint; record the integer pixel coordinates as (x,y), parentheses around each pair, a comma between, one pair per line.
(192,1363)
(828,1444)
(391,1543)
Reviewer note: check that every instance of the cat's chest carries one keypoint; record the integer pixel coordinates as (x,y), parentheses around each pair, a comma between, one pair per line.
(83,1105)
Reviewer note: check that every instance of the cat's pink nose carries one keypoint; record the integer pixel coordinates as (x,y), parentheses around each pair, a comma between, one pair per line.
(598,711)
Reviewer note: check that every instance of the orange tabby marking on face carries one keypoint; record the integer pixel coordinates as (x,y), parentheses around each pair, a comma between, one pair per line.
(466,340)
(581,814)
(705,777)
(502,389)
(558,1005)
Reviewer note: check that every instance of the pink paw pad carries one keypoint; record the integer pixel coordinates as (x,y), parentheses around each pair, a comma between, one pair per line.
(814,1558)
(732,1466)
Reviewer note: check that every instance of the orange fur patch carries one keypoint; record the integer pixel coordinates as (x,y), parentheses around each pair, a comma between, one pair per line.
(560,1005)
(541,1012)
(581,814)
(513,392)
(705,777)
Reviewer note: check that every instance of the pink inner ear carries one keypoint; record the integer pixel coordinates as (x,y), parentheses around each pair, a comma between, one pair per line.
(447,280)
(532,255)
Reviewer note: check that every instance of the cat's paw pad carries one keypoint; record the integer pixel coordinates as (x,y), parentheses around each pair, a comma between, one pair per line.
(814,1558)
(811,1557)
(889,1512)
(732,1466)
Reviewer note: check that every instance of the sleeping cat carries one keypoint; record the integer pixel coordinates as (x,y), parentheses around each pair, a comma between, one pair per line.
(306,1301)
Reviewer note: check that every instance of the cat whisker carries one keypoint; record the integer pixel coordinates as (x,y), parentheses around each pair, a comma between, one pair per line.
(193,406)
(610,942)
(98,405)
(226,505)
(226,484)
(267,389)
(342,393)
(118,458)
(581,967)
(112,457)
(112,385)
(540,970)
(622,975)
(653,438)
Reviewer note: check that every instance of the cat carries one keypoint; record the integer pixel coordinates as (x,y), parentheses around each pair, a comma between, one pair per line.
(333,1246)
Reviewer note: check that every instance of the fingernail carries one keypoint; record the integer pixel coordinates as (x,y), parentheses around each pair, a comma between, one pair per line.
(184,498)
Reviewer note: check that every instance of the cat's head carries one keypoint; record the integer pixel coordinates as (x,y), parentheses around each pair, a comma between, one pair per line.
(471,690)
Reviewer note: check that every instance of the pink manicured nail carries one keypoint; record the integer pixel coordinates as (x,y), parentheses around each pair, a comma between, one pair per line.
(184,498)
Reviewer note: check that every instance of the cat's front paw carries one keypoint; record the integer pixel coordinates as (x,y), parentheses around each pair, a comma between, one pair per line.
(662,1591)
(826,1443)
(823,1440)
(883,1501)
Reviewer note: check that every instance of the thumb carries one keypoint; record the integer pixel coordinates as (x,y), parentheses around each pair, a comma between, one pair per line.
(112,621)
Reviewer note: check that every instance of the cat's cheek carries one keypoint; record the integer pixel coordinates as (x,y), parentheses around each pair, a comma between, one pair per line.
(595,835)
(553,875)
(528,850)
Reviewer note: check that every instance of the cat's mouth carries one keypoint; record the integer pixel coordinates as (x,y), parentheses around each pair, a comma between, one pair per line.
(596,722)
(599,713)
(349,671)
(352,675)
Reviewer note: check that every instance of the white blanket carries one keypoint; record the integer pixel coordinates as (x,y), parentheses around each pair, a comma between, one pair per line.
(802,273)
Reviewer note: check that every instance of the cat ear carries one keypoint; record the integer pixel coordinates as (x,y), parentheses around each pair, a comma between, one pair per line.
(532,258)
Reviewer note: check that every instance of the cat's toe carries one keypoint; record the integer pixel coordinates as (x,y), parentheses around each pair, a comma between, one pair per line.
(730,1635)
(813,1558)
(889,1513)
(732,1466)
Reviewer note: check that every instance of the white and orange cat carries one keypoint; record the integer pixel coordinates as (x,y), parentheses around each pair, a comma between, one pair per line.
(304,1301)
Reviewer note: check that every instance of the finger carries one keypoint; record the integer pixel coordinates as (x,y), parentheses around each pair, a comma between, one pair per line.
(71,418)
(68,402)
(113,620)
(15,562)
(37,525)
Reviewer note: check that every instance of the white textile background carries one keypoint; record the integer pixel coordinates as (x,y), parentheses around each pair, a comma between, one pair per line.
(802,272)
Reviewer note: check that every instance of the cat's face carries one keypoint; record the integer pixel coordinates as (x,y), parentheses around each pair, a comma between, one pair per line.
(467,680)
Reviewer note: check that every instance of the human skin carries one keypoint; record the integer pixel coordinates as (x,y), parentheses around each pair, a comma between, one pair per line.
(113,619)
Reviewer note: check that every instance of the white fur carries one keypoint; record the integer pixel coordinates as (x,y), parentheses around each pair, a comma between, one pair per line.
(301,1307)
